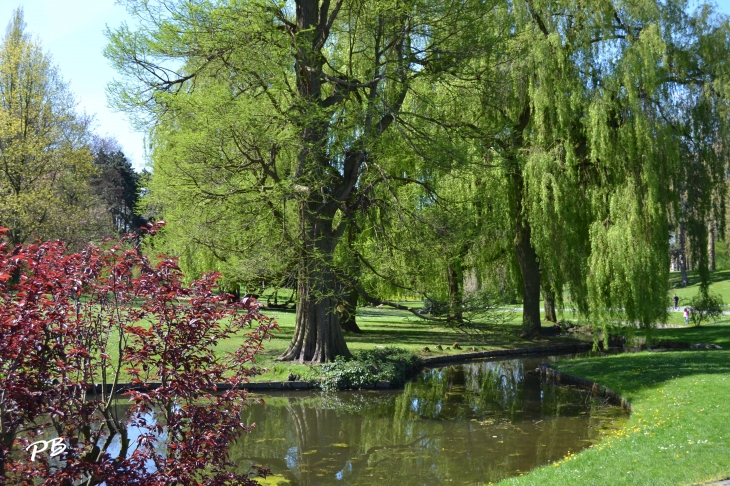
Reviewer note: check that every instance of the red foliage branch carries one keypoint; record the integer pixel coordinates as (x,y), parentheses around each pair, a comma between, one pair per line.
(73,323)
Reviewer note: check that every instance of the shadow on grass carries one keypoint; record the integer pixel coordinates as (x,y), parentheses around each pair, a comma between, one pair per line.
(430,337)
(397,328)
(675,278)
(630,374)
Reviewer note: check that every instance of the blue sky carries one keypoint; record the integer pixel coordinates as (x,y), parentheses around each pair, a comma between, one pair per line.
(72,31)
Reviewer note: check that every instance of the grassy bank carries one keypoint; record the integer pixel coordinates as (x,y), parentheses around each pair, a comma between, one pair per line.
(394,328)
(677,433)
(389,327)
(719,283)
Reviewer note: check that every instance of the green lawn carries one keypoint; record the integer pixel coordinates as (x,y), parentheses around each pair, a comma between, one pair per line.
(720,284)
(677,433)
(389,327)
(382,327)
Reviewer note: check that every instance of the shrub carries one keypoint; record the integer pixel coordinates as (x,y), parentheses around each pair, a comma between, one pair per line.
(72,323)
(705,307)
(368,367)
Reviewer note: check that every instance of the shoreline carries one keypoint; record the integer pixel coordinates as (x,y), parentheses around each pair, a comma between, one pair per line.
(434,362)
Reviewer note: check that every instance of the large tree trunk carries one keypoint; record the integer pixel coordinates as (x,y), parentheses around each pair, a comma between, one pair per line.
(711,245)
(548,298)
(527,258)
(526,255)
(317,334)
(682,254)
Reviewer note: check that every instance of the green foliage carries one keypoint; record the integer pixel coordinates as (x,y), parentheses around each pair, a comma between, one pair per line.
(277,131)
(706,307)
(548,143)
(368,367)
(117,186)
(44,154)
(605,128)
(237,144)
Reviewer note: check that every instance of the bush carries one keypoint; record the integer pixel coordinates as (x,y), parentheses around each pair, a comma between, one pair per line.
(72,323)
(368,367)
(705,307)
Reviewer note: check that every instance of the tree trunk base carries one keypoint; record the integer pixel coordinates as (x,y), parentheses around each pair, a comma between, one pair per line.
(531,334)
(318,336)
(527,259)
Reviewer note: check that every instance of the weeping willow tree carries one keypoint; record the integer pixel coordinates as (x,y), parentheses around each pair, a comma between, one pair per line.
(446,248)
(599,124)
(268,123)
(601,117)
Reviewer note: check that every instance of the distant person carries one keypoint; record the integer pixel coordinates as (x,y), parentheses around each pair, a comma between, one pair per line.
(676,301)
(686,315)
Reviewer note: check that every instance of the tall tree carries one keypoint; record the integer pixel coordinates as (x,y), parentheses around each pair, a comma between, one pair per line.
(117,184)
(278,112)
(44,157)
(589,107)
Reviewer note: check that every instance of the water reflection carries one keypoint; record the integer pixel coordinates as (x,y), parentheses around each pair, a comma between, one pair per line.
(471,424)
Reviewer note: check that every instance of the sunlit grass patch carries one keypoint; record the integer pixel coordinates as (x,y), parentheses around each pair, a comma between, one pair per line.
(677,433)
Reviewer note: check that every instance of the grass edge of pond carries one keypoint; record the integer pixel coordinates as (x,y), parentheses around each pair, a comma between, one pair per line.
(677,432)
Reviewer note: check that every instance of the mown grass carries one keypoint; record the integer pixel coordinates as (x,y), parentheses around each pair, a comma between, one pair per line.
(382,327)
(395,328)
(719,284)
(677,433)
(390,327)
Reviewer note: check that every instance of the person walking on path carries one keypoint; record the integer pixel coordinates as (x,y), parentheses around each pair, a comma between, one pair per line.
(676,301)
(686,315)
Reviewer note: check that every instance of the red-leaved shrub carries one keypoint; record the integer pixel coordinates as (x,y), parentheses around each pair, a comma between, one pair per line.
(74,323)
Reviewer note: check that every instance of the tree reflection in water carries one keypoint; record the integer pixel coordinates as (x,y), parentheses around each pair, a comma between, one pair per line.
(470,423)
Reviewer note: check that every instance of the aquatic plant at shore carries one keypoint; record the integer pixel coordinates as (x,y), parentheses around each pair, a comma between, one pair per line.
(369,367)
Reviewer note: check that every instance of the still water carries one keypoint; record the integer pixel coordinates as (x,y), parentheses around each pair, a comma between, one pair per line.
(463,424)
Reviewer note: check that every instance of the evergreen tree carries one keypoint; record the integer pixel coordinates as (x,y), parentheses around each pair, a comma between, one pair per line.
(117,184)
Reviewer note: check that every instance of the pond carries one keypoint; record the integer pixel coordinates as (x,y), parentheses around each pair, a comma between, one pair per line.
(470,423)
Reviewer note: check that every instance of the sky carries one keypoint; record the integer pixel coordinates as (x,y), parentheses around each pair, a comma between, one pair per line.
(72,31)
